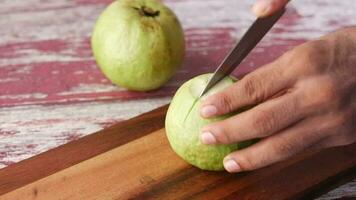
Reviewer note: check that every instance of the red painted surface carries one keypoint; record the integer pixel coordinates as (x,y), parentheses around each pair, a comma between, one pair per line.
(52,81)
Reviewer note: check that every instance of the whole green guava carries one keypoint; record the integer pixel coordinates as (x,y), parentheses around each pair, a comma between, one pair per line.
(183,125)
(138,44)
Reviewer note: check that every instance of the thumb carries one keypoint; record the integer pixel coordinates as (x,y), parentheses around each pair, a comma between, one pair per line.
(263,8)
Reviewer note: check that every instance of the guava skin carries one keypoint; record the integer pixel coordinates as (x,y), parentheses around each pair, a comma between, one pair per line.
(138,44)
(183,126)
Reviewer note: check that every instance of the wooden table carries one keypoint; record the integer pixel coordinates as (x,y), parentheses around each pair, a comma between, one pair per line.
(51,91)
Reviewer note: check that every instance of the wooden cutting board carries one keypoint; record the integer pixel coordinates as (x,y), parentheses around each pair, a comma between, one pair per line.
(133,160)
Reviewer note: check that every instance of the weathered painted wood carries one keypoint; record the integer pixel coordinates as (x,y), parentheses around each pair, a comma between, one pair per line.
(51,91)
(30,130)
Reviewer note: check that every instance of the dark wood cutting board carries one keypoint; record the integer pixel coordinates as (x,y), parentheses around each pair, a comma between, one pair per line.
(133,160)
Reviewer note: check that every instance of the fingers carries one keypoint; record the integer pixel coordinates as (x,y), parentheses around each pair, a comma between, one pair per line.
(274,148)
(264,8)
(315,132)
(260,121)
(252,89)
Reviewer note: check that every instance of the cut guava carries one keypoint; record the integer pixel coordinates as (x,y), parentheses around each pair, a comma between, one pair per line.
(183,125)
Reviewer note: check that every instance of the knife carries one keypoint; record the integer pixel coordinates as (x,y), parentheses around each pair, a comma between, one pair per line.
(250,39)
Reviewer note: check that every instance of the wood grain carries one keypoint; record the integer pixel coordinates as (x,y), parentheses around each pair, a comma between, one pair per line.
(133,161)
(74,152)
(117,174)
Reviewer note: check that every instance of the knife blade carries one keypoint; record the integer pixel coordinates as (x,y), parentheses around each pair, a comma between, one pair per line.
(249,40)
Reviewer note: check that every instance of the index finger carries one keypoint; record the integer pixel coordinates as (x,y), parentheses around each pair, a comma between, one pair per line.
(254,88)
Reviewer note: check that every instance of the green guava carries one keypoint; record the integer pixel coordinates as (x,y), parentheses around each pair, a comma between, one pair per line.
(183,125)
(138,44)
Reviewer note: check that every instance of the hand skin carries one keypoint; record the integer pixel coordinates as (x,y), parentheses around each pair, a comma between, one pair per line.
(263,8)
(306,99)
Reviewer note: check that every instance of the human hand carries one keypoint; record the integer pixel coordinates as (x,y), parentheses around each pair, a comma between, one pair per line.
(305,99)
(264,8)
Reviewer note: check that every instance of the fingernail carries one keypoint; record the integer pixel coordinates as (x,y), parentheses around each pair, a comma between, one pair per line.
(261,8)
(231,166)
(208,111)
(208,138)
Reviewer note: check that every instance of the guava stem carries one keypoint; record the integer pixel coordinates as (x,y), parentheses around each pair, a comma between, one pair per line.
(148,12)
